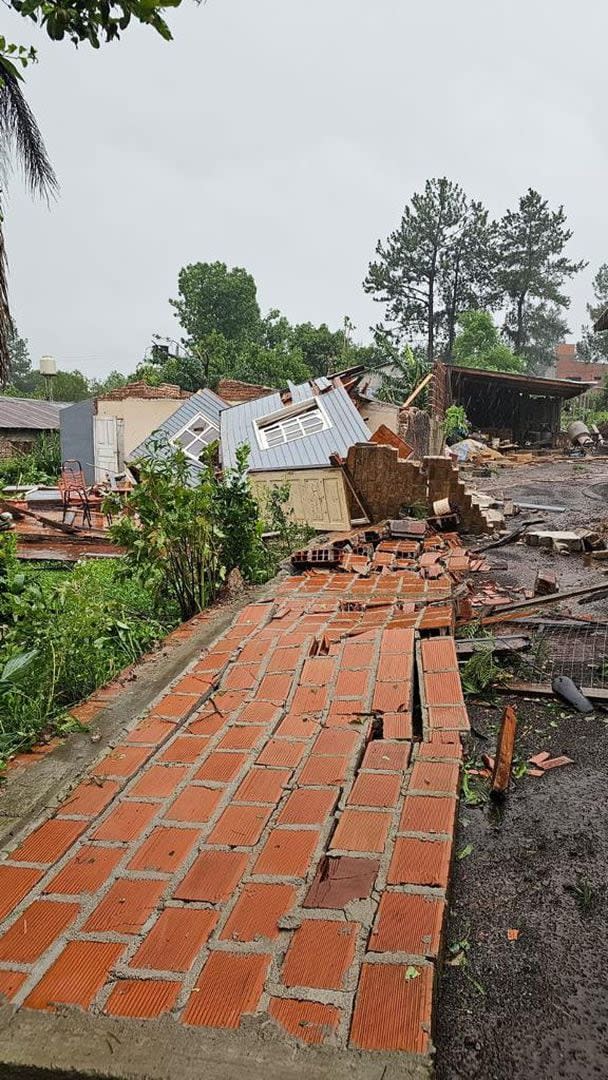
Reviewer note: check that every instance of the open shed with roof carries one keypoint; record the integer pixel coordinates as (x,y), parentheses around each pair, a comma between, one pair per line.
(523,408)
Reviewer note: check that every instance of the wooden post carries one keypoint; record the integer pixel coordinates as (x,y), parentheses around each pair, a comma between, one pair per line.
(501,776)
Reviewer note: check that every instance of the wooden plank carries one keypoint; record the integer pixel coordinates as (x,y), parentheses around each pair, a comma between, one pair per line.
(421,385)
(501,777)
(531,689)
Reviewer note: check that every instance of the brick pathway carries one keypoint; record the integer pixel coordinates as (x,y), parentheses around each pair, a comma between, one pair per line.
(272,838)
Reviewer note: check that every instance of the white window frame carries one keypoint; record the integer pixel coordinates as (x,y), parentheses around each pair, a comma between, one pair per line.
(175,439)
(283,417)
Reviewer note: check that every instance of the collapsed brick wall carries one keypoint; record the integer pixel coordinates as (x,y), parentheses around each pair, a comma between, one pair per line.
(386,485)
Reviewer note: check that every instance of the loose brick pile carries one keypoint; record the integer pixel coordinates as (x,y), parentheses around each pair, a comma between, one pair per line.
(273,838)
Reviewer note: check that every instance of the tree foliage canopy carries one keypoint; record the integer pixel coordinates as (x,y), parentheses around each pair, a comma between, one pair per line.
(593,346)
(478,345)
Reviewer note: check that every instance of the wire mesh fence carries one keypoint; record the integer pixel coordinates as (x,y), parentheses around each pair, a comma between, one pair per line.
(580,652)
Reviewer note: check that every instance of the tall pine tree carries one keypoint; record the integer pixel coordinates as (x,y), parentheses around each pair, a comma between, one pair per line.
(594,347)
(435,265)
(532,270)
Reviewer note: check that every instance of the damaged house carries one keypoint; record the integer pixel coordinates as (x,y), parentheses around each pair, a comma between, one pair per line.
(192,427)
(294,437)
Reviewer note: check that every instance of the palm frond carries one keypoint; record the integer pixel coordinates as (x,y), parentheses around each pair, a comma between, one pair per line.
(6,322)
(20,133)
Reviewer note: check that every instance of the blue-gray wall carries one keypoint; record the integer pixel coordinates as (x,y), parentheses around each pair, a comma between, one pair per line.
(76,429)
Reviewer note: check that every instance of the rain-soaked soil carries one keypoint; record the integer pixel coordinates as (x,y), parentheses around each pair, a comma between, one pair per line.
(537,1006)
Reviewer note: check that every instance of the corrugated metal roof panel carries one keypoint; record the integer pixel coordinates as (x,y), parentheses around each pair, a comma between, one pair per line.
(30,413)
(346,427)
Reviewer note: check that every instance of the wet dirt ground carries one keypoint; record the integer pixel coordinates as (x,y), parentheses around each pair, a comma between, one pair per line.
(537,1006)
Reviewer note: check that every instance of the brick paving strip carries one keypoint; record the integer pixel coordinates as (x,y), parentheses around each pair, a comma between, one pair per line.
(273,839)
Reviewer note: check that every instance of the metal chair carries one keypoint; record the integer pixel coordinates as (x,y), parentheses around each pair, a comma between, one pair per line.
(73,489)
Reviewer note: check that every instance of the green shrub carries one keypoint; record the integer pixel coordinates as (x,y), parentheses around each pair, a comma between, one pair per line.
(41,466)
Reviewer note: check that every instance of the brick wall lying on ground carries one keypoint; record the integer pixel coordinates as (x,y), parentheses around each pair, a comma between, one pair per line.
(271,838)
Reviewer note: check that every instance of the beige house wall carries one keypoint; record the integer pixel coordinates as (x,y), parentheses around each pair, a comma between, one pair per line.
(376,413)
(317,496)
(140,417)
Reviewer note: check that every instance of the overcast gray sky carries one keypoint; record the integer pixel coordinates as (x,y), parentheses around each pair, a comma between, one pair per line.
(286,137)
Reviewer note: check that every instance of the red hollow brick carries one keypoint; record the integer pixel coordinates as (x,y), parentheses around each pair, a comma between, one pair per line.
(336,742)
(240,826)
(397,640)
(308,807)
(176,939)
(394,666)
(259,712)
(361,830)
(428,814)
(241,677)
(448,718)
(324,770)
(392,696)
(86,872)
(90,798)
(408,923)
(212,876)
(340,879)
(126,822)
(320,954)
(435,776)
(125,907)
(194,804)
(176,706)
(35,930)
(420,862)
(241,738)
(283,660)
(152,731)
(193,683)
(228,702)
(262,785)
(307,1021)
(297,727)
(229,986)
(184,748)
(375,789)
(357,655)
(351,684)
(392,1011)
(309,699)
(10,983)
(76,975)
(387,756)
(142,998)
(441,745)
(15,883)
(158,781)
(124,760)
(439,654)
(164,850)
(274,688)
(397,725)
(318,671)
(287,853)
(257,912)
(221,768)
(282,753)
(443,688)
(49,842)
(206,724)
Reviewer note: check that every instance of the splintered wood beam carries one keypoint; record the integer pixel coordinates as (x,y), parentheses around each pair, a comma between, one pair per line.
(421,385)
(503,761)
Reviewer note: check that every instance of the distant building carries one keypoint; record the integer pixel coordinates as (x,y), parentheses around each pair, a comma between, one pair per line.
(568,366)
(101,433)
(24,420)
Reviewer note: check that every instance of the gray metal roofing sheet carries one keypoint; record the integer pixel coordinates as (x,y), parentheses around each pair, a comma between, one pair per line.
(204,401)
(347,427)
(30,413)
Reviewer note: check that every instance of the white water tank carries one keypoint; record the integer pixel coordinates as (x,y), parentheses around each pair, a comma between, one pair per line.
(48,365)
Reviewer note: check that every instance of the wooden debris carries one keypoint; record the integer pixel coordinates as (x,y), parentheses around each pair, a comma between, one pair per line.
(501,775)
(531,689)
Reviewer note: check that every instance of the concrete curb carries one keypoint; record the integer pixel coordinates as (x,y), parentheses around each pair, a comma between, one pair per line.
(71,1045)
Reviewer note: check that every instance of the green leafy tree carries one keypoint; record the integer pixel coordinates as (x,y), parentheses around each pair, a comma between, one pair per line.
(323,350)
(478,344)
(398,379)
(114,381)
(532,269)
(95,21)
(593,347)
(214,299)
(437,263)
